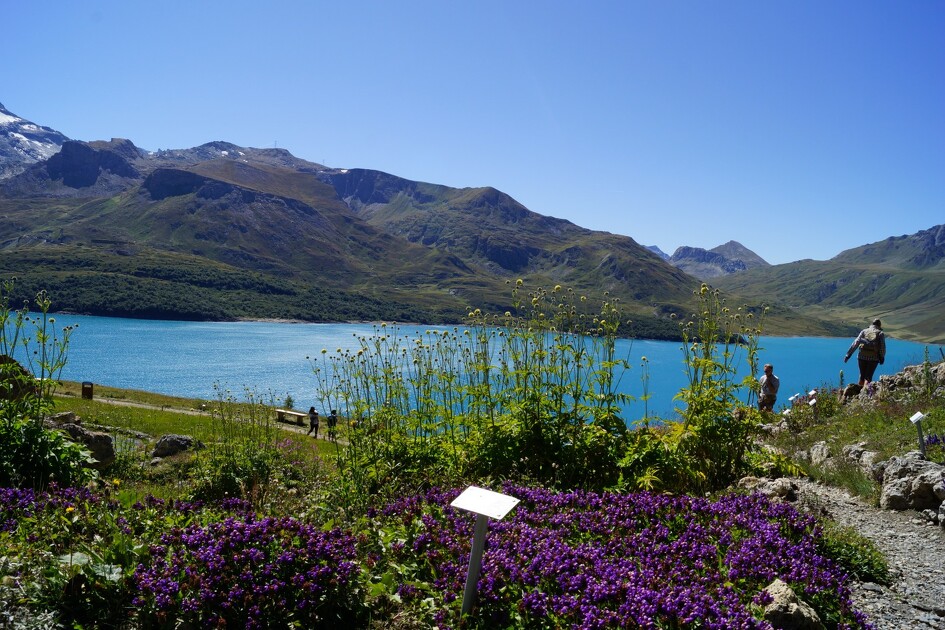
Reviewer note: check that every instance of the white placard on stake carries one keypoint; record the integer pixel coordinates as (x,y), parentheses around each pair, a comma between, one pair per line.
(485,502)
(917,417)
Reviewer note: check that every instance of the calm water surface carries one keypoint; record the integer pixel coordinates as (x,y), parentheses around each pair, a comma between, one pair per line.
(192,359)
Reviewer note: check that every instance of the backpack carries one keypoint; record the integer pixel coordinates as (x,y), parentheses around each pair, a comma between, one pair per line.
(871,344)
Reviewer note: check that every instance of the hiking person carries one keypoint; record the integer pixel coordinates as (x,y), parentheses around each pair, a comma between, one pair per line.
(872,344)
(312,422)
(332,423)
(768,393)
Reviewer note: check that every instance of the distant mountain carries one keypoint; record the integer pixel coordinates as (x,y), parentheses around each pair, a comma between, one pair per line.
(224,232)
(923,251)
(733,250)
(659,252)
(23,143)
(900,279)
(732,257)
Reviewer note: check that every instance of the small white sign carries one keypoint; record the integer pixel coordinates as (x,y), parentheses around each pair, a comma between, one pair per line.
(917,417)
(813,401)
(485,502)
(812,392)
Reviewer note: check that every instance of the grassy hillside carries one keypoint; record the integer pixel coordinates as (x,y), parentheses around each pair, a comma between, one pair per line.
(911,303)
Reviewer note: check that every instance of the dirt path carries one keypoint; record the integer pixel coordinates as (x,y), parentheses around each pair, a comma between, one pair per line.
(914,548)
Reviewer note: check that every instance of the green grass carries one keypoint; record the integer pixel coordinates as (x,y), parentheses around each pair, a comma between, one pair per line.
(883,427)
(124,412)
(73,389)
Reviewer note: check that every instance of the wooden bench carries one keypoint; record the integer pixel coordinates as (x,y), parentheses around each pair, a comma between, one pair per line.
(289,416)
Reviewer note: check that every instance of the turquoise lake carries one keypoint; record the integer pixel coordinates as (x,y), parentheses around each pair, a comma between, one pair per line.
(191,358)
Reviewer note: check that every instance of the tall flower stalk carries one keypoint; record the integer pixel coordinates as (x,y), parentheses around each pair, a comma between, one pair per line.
(533,391)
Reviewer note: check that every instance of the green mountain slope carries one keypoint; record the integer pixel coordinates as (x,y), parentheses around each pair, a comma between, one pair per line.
(900,279)
(222,232)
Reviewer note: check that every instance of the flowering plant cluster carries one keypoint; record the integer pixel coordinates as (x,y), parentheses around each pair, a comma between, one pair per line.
(589,560)
(578,559)
(935,447)
(250,573)
(96,560)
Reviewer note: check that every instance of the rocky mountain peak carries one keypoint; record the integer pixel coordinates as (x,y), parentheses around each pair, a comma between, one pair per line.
(723,260)
(23,143)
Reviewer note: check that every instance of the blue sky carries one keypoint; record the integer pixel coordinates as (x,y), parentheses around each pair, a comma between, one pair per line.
(798,129)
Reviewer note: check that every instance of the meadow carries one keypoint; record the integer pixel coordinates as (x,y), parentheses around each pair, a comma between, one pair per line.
(266,527)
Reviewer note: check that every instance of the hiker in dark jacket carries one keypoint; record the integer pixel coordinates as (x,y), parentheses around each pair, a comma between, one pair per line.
(312,421)
(872,344)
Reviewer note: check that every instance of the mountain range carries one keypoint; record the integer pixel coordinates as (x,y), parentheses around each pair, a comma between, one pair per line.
(222,232)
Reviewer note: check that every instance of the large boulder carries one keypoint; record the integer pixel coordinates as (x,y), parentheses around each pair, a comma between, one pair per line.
(858,454)
(776,489)
(911,482)
(819,453)
(173,444)
(100,445)
(787,612)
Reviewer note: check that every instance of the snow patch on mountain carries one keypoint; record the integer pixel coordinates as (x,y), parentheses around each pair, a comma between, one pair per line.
(23,143)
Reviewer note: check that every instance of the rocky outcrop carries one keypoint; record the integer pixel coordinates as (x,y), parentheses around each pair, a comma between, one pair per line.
(172,182)
(913,380)
(911,482)
(100,445)
(79,164)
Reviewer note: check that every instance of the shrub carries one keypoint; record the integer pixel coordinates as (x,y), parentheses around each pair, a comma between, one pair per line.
(242,455)
(855,553)
(711,446)
(30,454)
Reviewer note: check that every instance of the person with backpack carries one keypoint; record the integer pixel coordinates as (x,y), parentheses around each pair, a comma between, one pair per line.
(332,423)
(872,344)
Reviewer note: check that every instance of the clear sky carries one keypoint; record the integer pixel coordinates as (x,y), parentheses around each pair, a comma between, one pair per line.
(798,129)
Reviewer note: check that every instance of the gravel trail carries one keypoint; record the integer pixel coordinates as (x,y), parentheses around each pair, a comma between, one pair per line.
(914,549)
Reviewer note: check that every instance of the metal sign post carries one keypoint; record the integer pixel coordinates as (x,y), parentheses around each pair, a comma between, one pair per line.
(916,419)
(485,504)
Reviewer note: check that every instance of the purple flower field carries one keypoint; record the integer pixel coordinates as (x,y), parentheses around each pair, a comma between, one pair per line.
(250,572)
(586,560)
(558,560)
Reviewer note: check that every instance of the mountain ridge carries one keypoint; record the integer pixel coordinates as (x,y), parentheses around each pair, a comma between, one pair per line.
(110,228)
(899,279)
